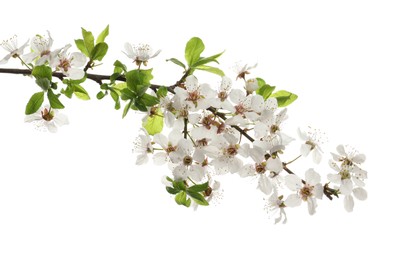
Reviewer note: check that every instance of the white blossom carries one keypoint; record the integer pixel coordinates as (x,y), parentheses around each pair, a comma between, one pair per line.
(70,64)
(196,96)
(241,69)
(313,139)
(308,191)
(47,119)
(11,46)
(40,49)
(140,54)
(275,205)
(187,162)
(142,147)
(168,144)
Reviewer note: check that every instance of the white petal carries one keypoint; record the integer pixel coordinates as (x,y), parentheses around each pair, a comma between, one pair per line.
(257,154)
(271,104)
(360,193)
(33,117)
(293,200)
(196,172)
(78,59)
(161,140)
(305,149)
(61,119)
(141,159)
(247,170)
(261,130)
(191,83)
(180,173)
(341,150)
(335,178)
(302,135)
(346,187)
(237,96)
(129,51)
(359,158)
(29,57)
(160,158)
(251,116)
(257,103)
(155,54)
(75,73)
(235,165)
(274,165)
(316,155)
(293,182)
(311,205)
(5,59)
(169,119)
(312,177)
(265,184)
(51,127)
(194,118)
(318,191)
(348,203)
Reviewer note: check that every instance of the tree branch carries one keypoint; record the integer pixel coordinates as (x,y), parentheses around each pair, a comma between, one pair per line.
(99,79)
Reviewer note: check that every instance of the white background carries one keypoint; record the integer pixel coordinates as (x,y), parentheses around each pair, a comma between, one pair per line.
(78,195)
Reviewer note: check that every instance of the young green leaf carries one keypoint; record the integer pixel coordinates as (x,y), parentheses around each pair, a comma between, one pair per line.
(88,40)
(162,92)
(100,95)
(149,100)
(126,94)
(177,62)
(43,83)
(42,72)
(265,91)
(179,185)
(80,92)
(54,101)
(127,108)
(284,97)
(81,46)
(193,50)
(120,65)
(138,77)
(34,103)
(154,123)
(203,61)
(211,70)
(101,37)
(172,190)
(181,199)
(199,187)
(116,99)
(99,51)
(198,198)
(261,82)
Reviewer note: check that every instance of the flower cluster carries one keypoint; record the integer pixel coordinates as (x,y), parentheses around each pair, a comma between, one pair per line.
(236,127)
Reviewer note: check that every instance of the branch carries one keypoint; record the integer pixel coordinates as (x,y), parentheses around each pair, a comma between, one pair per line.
(99,78)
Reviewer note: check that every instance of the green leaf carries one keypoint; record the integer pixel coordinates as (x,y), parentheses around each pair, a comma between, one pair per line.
(127,108)
(100,95)
(203,61)
(284,97)
(193,50)
(138,105)
(120,86)
(101,37)
(261,82)
(149,100)
(119,64)
(198,198)
(177,62)
(116,99)
(99,51)
(179,185)
(115,76)
(43,83)
(80,92)
(126,94)
(265,91)
(154,123)
(141,89)
(54,101)
(34,103)
(42,72)
(181,199)
(211,70)
(199,187)
(137,78)
(88,40)
(162,92)
(81,46)
(172,190)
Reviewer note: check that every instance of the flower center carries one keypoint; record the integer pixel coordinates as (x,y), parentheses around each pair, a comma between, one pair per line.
(65,64)
(208,192)
(222,95)
(312,144)
(187,160)
(232,150)
(170,149)
(306,192)
(193,96)
(274,128)
(240,109)
(44,53)
(260,168)
(47,115)
(345,174)
(202,142)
